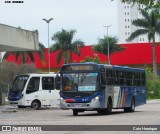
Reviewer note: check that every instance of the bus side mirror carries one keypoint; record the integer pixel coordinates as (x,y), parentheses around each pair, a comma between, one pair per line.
(57,82)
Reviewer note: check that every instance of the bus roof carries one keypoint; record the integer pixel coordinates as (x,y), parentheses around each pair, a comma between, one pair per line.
(123,68)
(40,74)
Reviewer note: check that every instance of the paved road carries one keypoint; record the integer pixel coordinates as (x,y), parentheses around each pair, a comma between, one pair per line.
(148,114)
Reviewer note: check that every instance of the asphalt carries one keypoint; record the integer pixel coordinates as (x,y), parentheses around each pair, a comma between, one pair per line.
(13,108)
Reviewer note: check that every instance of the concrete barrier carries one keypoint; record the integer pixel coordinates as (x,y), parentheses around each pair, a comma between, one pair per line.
(17,39)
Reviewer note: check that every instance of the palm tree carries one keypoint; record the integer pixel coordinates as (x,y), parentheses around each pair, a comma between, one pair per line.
(65,44)
(25,55)
(150,25)
(147,3)
(102,45)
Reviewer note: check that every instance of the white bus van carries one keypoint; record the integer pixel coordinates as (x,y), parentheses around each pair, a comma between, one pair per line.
(34,90)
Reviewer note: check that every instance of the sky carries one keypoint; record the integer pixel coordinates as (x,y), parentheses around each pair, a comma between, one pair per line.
(87,17)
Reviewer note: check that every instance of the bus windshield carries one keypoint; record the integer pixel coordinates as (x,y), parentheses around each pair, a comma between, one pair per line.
(79,82)
(19,83)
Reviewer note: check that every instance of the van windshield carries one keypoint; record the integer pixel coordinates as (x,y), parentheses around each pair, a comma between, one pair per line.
(19,83)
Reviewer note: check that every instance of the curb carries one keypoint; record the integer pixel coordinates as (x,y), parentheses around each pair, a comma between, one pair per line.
(153,101)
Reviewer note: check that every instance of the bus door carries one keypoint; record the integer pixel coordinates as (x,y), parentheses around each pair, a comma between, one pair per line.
(32,90)
(50,94)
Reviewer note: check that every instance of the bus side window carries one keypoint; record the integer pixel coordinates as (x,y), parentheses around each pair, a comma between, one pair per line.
(102,79)
(48,83)
(57,82)
(33,85)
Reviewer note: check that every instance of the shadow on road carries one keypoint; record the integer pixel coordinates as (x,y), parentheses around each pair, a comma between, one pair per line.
(97,114)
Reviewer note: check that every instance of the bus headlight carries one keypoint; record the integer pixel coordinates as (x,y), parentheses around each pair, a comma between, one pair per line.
(21,96)
(62,100)
(95,99)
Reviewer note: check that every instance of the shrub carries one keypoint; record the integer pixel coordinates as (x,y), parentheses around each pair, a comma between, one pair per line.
(153,85)
(8,72)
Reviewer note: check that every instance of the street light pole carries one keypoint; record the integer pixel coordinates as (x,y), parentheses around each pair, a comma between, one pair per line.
(48,21)
(108,44)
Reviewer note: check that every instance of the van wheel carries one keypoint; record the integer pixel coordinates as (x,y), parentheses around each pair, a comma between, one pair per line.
(75,112)
(35,105)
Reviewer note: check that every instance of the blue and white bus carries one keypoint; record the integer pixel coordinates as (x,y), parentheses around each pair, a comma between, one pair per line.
(101,87)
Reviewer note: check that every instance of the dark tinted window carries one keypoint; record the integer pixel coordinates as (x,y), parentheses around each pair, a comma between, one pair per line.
(33,85)
(47,83)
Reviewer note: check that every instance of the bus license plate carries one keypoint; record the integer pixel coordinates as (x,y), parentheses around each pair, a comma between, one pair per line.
(78,105)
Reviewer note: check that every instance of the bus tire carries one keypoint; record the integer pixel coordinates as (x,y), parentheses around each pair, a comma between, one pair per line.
(75,112)
(132,108)
(126,109)
(100,112)
(109,107)
(35,104)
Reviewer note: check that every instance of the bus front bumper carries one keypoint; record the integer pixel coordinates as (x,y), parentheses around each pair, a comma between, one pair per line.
(18,103)
(86,106)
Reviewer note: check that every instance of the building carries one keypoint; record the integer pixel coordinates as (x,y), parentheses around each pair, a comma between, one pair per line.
(135,55)
(126,14)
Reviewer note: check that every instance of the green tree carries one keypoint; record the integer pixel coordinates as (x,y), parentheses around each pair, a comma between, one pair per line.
(65,44)
(153,84)
(102,45)
(147,3)
(150,25)
(8,72)
(25,55)
(96,59)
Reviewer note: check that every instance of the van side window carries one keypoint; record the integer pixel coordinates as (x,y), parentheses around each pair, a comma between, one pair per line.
(48,83)
(33,85)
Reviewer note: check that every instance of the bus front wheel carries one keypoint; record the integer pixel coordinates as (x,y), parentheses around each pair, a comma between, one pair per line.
(75,112)
(35,105)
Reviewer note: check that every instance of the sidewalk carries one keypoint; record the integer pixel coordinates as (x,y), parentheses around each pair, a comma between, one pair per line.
(153,101)
(7,108)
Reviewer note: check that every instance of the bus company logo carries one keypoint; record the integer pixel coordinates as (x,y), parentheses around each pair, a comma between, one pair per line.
(6,128)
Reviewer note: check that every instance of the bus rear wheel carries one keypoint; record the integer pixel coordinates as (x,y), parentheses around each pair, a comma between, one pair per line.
(75,112)
(132,108)
(109,107)
(35,105)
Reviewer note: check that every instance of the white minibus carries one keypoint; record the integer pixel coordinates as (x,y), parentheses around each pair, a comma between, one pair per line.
(34,90)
